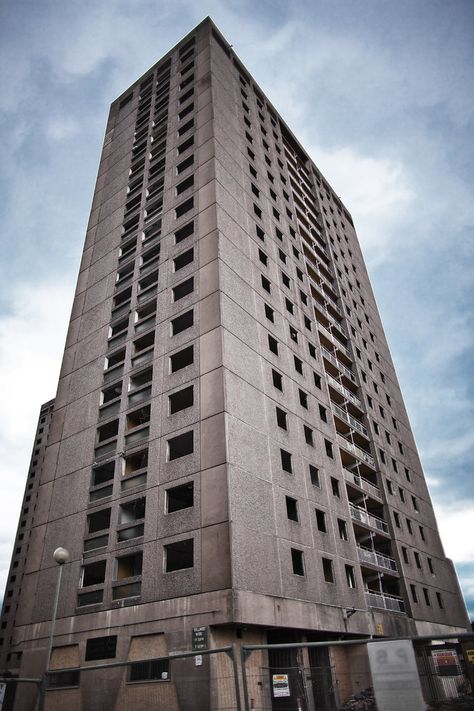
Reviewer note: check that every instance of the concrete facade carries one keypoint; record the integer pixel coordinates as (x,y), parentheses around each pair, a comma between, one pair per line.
(229,446)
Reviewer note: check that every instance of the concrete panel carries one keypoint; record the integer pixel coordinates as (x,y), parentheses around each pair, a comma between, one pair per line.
(215,557)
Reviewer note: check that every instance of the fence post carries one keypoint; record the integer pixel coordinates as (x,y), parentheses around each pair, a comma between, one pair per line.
(42,692)
(233,657)
(243,660)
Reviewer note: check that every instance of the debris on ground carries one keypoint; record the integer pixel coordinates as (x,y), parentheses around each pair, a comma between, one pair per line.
(362,701)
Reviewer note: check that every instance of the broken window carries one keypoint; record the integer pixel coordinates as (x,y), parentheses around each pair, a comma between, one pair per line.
(291,508)
(181,445)
(181,400)
(182,359)
(183,289)
(93,573)
(297,561)
(286,461)
(179,555)
(181,323)
(328,570)
(98,521)
(129,566)
(180,497)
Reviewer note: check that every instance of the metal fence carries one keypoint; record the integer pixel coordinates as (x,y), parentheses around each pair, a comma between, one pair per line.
(337,676)
(332,675)
(207,681)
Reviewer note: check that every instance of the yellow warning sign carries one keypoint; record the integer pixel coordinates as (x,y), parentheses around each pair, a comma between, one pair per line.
(379,628)
(470,656)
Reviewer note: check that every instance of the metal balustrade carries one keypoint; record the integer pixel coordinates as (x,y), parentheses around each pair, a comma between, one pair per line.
(357,451)
(384,601)
(340,366)
(362,483)
(355,424)
(375,558)
(343,390)
(359,514)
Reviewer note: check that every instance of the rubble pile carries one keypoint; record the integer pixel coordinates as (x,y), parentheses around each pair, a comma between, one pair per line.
(362,701)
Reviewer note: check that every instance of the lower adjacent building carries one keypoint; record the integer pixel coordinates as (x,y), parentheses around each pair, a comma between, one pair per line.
(228,448)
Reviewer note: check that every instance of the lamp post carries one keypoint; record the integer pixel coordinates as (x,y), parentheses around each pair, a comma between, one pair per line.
(60,556)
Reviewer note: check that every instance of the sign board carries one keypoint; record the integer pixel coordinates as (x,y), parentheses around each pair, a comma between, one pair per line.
(470,656)
(200,639)
(198,660)
(446,662)
(395,676)
(379,628)
(281,686)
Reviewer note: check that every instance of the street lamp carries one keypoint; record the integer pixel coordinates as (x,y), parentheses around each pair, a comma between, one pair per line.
(60,556)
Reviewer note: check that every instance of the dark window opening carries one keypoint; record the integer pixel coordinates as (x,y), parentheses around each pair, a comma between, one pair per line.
(181,323)
(179,555)
(180,497)
(297,561)
(277,380)
(184,232)
(291,508)
(314,475)
(183,259)
(329,448)
(101,648)
(273,344)
(181,445)
(183,289)
(286,461)
(342,528)
(148,671)
(321,520)
(93,573)
(182,359)
(281,418)
(181,400)
(98,521)
(328,570)
(102,474)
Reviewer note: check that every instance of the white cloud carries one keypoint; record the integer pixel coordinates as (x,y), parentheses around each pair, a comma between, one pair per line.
(32,339)
(455,526)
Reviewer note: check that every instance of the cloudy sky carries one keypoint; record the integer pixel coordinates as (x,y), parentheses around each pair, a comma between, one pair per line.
(381,94)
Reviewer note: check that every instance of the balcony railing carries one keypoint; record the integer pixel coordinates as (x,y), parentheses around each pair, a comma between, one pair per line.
(337,324)
(351,421)
(357,451)
(340,366)
(376,558)
(343,390)
(334,340)
(326,297)
(384,602)
(359,514)
(362,483)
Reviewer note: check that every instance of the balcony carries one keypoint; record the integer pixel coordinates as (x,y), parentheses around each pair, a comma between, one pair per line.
(351,421)
(319,269)
(363,483)
(337,363)
(363,516)
(335,341)
(344,391)
(357,451)
(382,601)
(328,299)
(377,559)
